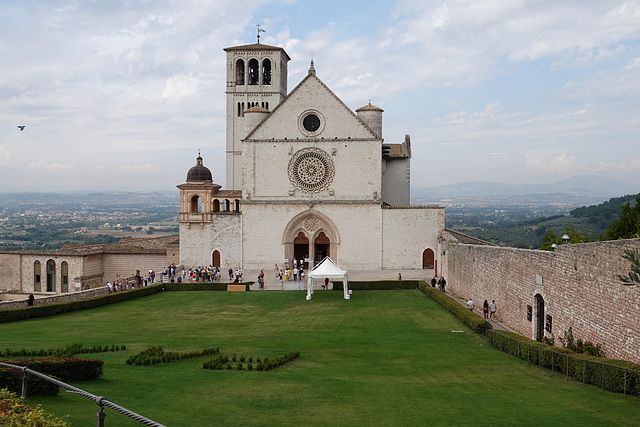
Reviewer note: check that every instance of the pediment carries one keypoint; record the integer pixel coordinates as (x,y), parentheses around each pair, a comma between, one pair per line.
(311,98)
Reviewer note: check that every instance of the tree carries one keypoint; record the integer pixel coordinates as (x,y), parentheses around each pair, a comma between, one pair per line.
(574,237)
(633,278)
(627,225)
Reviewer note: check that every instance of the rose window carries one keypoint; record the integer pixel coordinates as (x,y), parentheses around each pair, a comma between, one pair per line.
(311,170)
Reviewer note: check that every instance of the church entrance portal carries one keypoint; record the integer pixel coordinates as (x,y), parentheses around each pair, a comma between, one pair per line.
(322,245)
(539,321)
(301,248)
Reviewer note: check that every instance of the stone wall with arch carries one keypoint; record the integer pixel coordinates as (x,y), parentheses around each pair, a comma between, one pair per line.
(577,282)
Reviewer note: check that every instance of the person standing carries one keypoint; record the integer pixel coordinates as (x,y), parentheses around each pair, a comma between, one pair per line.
(485,309)
(470,304)
(444,283)
(30,300)
(492,309)
(433,282)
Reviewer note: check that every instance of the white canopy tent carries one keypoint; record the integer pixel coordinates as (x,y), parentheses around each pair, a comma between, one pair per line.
(327,269)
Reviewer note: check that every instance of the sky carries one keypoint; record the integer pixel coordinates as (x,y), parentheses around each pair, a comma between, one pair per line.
(121,94)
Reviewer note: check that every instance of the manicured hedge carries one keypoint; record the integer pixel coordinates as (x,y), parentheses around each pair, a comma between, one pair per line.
(22,313)
(200,286)
(379,285)
(599,371)
(14,412)
(65,369)
(155,355)
(67,351)
(469,318)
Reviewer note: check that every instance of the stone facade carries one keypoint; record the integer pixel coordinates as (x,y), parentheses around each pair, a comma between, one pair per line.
(576,285)
(316,177)
(79,267)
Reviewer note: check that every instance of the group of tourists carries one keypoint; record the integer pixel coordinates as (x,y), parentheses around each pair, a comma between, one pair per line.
(439,282)
(488,308)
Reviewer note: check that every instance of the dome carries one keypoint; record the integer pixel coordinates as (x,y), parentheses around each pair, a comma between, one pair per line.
(199,172)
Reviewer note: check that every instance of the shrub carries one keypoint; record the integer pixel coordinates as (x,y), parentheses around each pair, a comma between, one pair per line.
(14,412)
(610,374)
(469,318)
(379,285)
(22,313)
(155,355)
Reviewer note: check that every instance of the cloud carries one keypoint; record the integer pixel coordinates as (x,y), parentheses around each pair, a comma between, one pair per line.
(48,166)
(628,166)
(553,162)
(140,167)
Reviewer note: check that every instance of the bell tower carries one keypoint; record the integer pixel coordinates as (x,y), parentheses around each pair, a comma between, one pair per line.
(256,76)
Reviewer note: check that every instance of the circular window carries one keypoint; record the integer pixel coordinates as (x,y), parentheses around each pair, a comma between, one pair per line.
(311,123)
(311,170)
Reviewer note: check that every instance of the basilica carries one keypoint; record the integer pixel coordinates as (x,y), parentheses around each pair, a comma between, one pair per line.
(306,178)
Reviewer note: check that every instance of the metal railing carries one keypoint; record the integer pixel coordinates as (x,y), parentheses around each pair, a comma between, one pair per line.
(612,377)
(99,400)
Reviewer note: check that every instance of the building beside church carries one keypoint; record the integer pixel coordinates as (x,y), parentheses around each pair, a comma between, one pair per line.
(307,178)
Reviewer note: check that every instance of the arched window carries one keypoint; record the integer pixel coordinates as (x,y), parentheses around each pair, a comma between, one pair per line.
(239,109)
(216,205)
(253,71)
(225,205)
(236,205)
(240,72)
(64,277)
(266,72)
(196,204)
(51,276)
(37,276)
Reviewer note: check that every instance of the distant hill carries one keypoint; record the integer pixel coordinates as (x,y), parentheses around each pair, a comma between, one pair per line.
(593,220)
(584,185)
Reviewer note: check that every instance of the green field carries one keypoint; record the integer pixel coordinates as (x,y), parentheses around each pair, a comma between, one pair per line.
(381,358)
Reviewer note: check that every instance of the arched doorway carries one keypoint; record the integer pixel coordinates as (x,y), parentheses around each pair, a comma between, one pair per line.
(51,276)
(215,259)
(539,317)
(301,247)
(321,247)
(428,259)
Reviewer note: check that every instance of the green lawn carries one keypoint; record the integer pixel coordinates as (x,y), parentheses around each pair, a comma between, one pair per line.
(381,358)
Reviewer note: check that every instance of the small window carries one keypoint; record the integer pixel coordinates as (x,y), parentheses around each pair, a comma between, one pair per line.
(37,276)
(64,276)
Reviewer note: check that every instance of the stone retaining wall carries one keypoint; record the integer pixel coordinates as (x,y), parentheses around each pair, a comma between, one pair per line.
(578,284)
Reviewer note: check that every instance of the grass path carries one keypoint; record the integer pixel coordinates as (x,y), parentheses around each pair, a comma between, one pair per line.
(381,358)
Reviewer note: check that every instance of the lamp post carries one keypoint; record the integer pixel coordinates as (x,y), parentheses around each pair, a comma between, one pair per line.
(566,238)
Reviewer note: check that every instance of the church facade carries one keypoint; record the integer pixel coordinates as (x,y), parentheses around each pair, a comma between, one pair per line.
(307,178)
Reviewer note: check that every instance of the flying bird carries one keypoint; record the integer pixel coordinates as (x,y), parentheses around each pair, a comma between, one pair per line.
(21,128)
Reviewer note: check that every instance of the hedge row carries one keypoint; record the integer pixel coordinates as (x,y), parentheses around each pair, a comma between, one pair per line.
(65,369)
(381,285)
(14,412)
(223,362)
(155,355)
(22,313)
(202,286)
(468,317)
(67,351)
(599,371)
